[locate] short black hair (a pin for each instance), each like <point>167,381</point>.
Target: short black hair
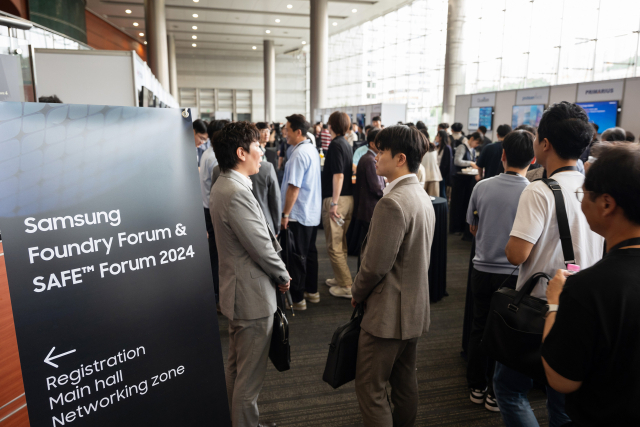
<point>456,127</point>
<point>262,125</point>
<point>528,128</point>
<point>630,137</point>
<point>503,130</point>
<point>376,119</point>
<point>199,126</point>
<point>420,125</point>
<point>298,122</point>
<point>476,135</point>
<point>518,148</point>
<point>53,99</point>
<point>617,173</point>
<point>406,140</point>
<point>443,126</point>
<point>340,123</point>
<point>371,136</point>
<point>367,127</point>
<point>595,126</point>
<point>614,134</point>
<point>215,126</point>
<point>482,129</point>
<point>566,126</point>
<point>411,125</point>
<point>227,141</point>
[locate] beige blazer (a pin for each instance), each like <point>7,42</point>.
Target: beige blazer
<point>393,276</point>
<point>247,251</point>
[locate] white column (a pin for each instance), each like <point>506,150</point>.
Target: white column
<point>319,20</point>
<point>157,51</point>
<point>454,75</point>
<point>269,81</point>
<point>173,72</point>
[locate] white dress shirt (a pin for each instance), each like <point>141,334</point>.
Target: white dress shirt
<point>393,183</point>
<point>243,179</point>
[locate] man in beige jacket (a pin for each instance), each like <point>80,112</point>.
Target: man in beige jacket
<point>393,283</point>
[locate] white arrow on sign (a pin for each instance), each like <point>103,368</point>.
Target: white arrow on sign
<point>49,358</point>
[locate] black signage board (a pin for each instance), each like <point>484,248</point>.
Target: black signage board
<point>108,267</point>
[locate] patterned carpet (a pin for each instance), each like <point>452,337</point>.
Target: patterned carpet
<point>299,397</point>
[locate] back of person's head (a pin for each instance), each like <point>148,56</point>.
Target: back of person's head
<point>227,141</point>
<point>325,126</point>
<point>376,119</point>
<point>528,128</point>
<point>215,126</point>
<point>410,124</point>
<point>518,148</point>
<point>617,173</point>
<point>503,130</point>
<point>199,126</point>
<point>476,136</point>
<point>600,147</point>
<point>596,127</point>
<point>630,137</point>
<point>456,127</point>
<point>482,129</point>
<point>367,128</point>
<point>371,136</point>
<point>340,123</point>
<point>298,122</point>
<point>420,125</point>
<point>430,145</point>
<point>566,126</point>
<point>406,140</point>
<point>443,126</point>
<point>53,99</point>
<point>614,134</point>
<point>262,125</point>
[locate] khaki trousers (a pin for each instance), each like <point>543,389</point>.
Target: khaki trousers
<point>381,360</point>
<point>249,342</point>
<point>336,237</point>
<point>432,188</point>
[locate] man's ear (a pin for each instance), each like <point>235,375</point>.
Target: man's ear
<point>401,159</point>
<point>242,155</point>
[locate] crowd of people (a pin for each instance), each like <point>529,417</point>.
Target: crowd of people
<point>262,181</point>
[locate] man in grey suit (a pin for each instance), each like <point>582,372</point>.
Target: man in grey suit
<point>249,268</point>
<point>393,283</point>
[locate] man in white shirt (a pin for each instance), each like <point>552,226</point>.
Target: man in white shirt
<point>563,134</point>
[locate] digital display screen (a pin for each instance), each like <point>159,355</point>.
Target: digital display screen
<point>480,116</point>
<point>604,114</point>
<point>526,115</point>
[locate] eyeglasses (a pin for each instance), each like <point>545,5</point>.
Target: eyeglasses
<point>580,194</point>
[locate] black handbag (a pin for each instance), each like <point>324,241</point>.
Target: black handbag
<point>513,332</point>
<point>280,350</point>
<point>343,351</point>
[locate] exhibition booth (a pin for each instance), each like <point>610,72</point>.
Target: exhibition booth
<point>390,114</point>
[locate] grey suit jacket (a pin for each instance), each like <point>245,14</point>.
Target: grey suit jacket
<point>267,192</point>
<point>394,273</point>
<point>247,251</point>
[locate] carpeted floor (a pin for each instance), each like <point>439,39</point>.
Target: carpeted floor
<point>299,397</point>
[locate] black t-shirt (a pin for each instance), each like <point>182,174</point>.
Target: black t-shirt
<point>596,340</point>
<point>339,159</point>
<point>491,160</point>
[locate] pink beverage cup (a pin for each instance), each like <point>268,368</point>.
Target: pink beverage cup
<point>572,268</point>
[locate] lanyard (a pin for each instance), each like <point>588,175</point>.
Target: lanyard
<point>512,173</point>
<point>629,242</point>
<point>565,168</point>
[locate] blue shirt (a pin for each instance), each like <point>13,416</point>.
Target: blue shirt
<point>496,200</point>
<point>303,171</point>
<point>359,153</point>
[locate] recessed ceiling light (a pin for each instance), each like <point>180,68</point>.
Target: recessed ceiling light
<point>268,31</point>
<point>253,47</point>
<point>354,10</point>
<point>194,37</point>
<point>277,21</point>
<point>127,11</point>
<point>195,15</point>
<point>193,44</point>
<point>335,24</point>
<point>304,42</point>
<point>196,1</point>
<point>135,24</point>
<point>194,27</point>
<point>141,34</point>
<point>289,6</point>
<point>145,42</point>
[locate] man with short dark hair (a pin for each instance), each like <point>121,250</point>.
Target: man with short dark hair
<point>492,210</point>
<point>250,268</point>
<point>265,132</point>
<point>534,244</point>
<point>200,135</point>
<point>302,207</point>
<point>376,122</point>
<point>490,160</point>
<point>393,283</point>
<point>485,141</point>
<point>590,345</point>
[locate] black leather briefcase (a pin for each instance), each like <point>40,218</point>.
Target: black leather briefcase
<point>343,351</point>
<point>280,350</point>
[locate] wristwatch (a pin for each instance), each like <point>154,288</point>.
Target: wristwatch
<point>284,215</point>
<point>333,204</point>
<point>551,308</point>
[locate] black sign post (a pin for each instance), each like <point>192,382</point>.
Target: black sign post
<point>108,267</point>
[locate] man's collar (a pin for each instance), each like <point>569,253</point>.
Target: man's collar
<point>234,174</point>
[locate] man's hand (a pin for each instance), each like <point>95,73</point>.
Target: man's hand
<point>333,211</point>
<point>556,285</point>
<point>473,229</point>
<point>284,287</point>
<point>473,165</point>
<point>284,222</point>
<point>478,177</point>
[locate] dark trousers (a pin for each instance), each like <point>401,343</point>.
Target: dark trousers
<point>304,239</point>
<point>364,229</point>
<point>213,253</point>
<point>480,368</point>
<point>460,196</point>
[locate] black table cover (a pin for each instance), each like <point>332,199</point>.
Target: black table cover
<point>438,264</point>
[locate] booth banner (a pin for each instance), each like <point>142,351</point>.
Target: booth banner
<point>483,100</point>
<point>601,91</point>
<point>533,96</point>
<point>362,110</point>
<point>376,108</point>
<point>108,267</point>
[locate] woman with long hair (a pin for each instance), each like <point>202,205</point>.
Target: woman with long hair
<point>433,177</point>
<point>445,161</point>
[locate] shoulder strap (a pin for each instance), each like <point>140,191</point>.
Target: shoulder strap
<point>563,221</point>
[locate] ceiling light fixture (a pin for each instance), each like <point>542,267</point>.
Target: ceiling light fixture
<point>145,42</point>
<point>289,6</point>
<point>194,27</point>
<point>335,24</point>
<point>268,31</point>
<point>304,42</point>
<point>135,24</point>
<point>253,47</point>
<point>354,10</point>
<point>194,45</point>
<point>277,21</point>
<point>194,37</point>
<point>196,1</point>
<point>141,34</point>
<point>127,11</point>
<point>195,15</point>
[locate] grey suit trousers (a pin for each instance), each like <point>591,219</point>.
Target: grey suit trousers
<point>249,342</point>
<point>381,360</point>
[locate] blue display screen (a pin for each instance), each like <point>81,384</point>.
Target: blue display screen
<point>604,114</point>
<point>526,115</point>
<point>480,116</point>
